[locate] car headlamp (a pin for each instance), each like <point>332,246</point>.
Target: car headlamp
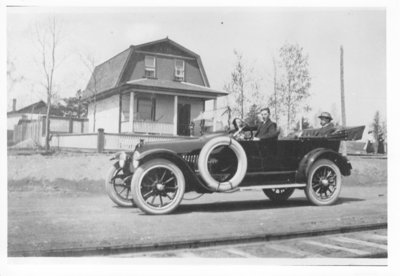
<point>122,159</point>
<point>135,159</point>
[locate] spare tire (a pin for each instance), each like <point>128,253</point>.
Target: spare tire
<point>241,167</point>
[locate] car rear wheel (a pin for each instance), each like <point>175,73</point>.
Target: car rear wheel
<point>158,187</point>
<point>323,183</point>
<point>278,195</point>
<point>118,187</point>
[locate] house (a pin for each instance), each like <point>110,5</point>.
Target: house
<point>29,123</point>
<point>27,113</point>
<point>155,88</point>
<point>30,112</point>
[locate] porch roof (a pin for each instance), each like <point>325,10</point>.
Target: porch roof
<point>175,86</point>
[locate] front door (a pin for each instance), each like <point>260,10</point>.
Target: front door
<point>183,119</point>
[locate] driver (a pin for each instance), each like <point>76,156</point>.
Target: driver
<point>266,128</point>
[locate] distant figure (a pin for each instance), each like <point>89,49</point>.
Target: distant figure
<point>370,144</point>
<point>381,145</point>
<point>327,127</point>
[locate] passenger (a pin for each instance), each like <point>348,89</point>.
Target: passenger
<point>327,127</point>
<point>266,129</point>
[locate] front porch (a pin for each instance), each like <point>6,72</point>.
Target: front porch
<point>155,107</point>
<point>151,113</point>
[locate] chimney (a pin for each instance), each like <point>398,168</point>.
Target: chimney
<point>14,108</point>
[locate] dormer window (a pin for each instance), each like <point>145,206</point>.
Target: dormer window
<point>179,70</point>
<point>150,67</point>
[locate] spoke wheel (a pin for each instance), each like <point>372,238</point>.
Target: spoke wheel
<point>158,187</point>
<point>324,183</point>
<point>118,187</point>
<point>280,194</point>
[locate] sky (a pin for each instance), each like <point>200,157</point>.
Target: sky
<point>214,33</point>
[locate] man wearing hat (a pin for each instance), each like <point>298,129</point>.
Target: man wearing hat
<point>327,127</point>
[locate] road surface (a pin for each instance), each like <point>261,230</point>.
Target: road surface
<point>55,221</point>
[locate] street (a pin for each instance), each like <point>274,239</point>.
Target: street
<point>58,222</point>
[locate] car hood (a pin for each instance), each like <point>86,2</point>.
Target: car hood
<point>180,145</point>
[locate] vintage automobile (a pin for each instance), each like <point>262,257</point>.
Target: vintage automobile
<point>155,176</point>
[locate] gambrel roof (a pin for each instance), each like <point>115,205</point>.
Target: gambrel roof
<point>109,75</point>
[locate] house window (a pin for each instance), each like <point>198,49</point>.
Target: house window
<point>179,70</point>
<point>125,104</point>
<point>146,109</point>
<point>150,67</point>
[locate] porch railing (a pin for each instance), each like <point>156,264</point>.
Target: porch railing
<point>153,127</point>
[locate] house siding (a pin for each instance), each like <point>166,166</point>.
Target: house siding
<point>192,73</point>
<point>107,114</point>
<point>165,69</point>
<point>165,48</point>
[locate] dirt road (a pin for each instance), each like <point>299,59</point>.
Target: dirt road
<point>51,222</point>
<point>60,204</point>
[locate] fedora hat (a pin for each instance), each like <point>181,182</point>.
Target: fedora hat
<point>326,115</point>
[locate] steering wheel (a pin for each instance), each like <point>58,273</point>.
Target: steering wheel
<point>239,130</point>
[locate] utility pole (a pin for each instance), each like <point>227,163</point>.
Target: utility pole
<point>275,93</point>
<point>343,106</point>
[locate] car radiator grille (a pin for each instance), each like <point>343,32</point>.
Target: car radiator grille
<point>191,159</point>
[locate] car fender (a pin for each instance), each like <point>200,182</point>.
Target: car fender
<point>190,176</point>
<point>311,157</point>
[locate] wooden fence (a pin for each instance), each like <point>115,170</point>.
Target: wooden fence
<point>35,129</point>
<point>102,141</point>
<point>28,129</point>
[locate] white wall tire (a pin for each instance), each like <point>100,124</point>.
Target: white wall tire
<point>324,183</point>
<point>158,187</point>
<point>117,190</point>
<point>241,168</point>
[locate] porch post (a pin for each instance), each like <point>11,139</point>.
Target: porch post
<point>214,118</point>
<point>175,115</point>
<point>131,109</point>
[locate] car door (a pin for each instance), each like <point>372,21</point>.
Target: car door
<point>268,153</point>
<point>254,158</point>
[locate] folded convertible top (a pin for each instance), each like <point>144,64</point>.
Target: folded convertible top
<point>341,133</point>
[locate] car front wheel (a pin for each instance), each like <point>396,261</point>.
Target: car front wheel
<point>118,187</point>
<point>158,187</point>
<point>323,183</point>
<point>278,195</point>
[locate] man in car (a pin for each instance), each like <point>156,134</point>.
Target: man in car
<point>266,129</point>
<point>327,127</point>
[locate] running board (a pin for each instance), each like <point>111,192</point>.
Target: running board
<point>277,186</point>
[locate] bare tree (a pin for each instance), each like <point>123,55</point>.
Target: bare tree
<point>243,86</point>
<point>48,37</point>
<point>294,82</point>
<point>275,100</point>
<point>94,83</point>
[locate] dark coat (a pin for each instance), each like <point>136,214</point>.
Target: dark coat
<point>326,130</point>
<point>267,130</point>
